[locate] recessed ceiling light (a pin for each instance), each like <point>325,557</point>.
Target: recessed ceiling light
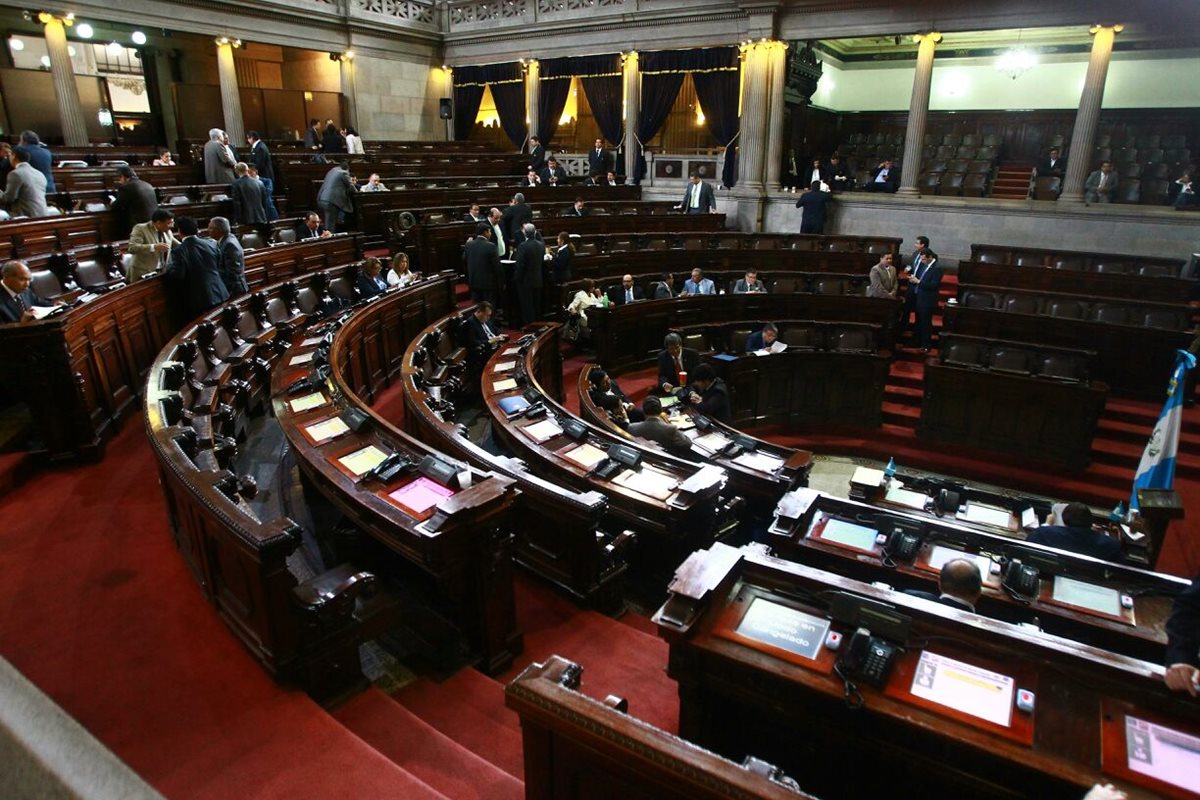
<point>138,37</point>
<point>84,30</point>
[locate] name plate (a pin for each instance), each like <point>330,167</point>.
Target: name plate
<point>783,627</point>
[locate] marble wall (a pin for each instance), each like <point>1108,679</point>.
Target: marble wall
<point>397,97</point>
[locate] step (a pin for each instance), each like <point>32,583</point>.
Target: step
<point>469,708</point>
<point>903,395</point>
<point>424,752</point>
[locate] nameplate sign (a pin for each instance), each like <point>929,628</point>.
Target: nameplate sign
<point>783,627</point>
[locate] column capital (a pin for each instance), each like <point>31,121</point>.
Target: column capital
<point>46,17</point>
<point>932,36</point>
<point>763,45</point>
<point>221,41</point>
<point>1115,28</point>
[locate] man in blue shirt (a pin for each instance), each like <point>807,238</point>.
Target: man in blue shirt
<point>1075,534</point>
<point>698,284</point>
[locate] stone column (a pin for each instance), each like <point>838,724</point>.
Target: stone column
<point>756,84</point>
<point>778,56</point>
<point>918,112</point>
<point>1079,157</point>
<point>633,104</point>
<point>346,65</point>
<point>231,101</point>
<point>70,112</point>
<point>533,90</point>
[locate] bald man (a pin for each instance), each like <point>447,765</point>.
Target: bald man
<point>16,298</point>
<point>628,293</point>
<point>960,585</point>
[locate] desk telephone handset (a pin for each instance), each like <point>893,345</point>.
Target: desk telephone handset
<point>867,658</point>
<point>1022,581</point>
<point>902,545</point>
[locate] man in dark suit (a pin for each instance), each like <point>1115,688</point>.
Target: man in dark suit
<point>483,266</point>
<point>249,197</point>
<point>750,284</point>
<point>840,179</point>
<point>1053,166</point>
<point>1183,642</point>
<point>709,394</point>
<point>699,198</point>
<point>40,158</point>
<point>553,173</point>
<point>474,215</point>
<point>527,273</point>
<point>813,202</point>
<point>959,584</point>
<point>515,217</point>
<point>628,293</point>
<point>311,228</point>
<point>655,428</point>
<point>924,283</point>
<point>910,295</point>
<point>135,201</point>
<point>1074,532</point>
<point>884,178</point>
<point>599,160</point>
<point>537,154</point>
<point>817,173</point>
<point>577,210</point>
<point>673,359</point>
<point>260,158</point>
<point>664,289</point>
<point>232,262</point>
<point>336,197</point>
<point>762,338</point>
<point>16,298</point>
<point>195,271</point>
<point>479,337</point>
<point>600,383</point>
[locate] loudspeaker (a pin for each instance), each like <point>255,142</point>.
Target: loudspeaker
<point>446,108</point>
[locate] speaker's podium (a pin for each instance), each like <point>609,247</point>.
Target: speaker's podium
<point>859,691</point>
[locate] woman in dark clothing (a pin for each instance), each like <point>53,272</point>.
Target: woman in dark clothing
<point>332,141</point>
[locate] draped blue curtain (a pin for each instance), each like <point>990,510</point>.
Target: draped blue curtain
<point>466,109</point>
<point>507,82</point>
<point>662,76</point>
<point>717,92</point>
<point>552,99</point>
<point>604,95</point>
<point>601,79</point>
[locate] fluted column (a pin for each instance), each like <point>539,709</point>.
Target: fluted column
<point>633,103</point>
<point>62,73</point>
<point>231,101</point>
<point>533,91</point>
<point>346,64</point>
<point>918,113</point>
<point>756,82</point>
<point>1080,155</point>
<point>778,55</point>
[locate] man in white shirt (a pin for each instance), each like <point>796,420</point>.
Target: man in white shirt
<point>374,184</point>
<point>699,199</point>
<point>497,234</point>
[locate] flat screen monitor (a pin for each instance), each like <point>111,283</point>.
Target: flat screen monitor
<point>964,687</point>
<point>1162,753</point>
<point>1100,599</point>
<point>849,534</point>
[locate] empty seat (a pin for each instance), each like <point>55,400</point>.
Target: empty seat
<point>1155,192</point>
<point>1153,155</point>
<point>1109,314</point>
<point>252,241</point>
<point>1058,140</point>
<point>951,184</point>
<point>343,288</point>
<point>1174,140</point>
<point>979,166</point>
<point>1131,170</point>
<point>737,341</point>
<point>89,273</point>
<point>839,246</point>
<point>1021,304</point>
<point>854,340</point>
<point>962,354</point>
<point>1162,318</point>
<point>1061,366</point>
<point>1102,154</point>
<point>1156,271</point>
<point>958,165</point>
<point>657,243</point>
<point>785,286</point>
<point>693,243</point>
<point>993,257</point>
<point>1127,155</point>
<point>308,300</point>
<point>287,235</point>
<point>766,244</point>
<point>1129,191</point>
<point>1029,260</point>
<point>620,245</point>
<point>951,139</point>
<point>44,283</point>
<point>1012,360</point>
<point>988,153</point>
<point>990,140</point>
<point>936,165</point>
<point>1069,263</point>
<point>1112,267</point>
<point>929,182</point>
<point>977,299</point>
<point>878,248</point>
<point>946,151</point>
<point>974,186</point>
<point>965,152</point>
<point>829,286</point>
<point>696,341</point>
<point>799,336</point>
<point>1065,309</point>
<point>1102,140</point>
<point>1177,155</point>
<point>970,139</point>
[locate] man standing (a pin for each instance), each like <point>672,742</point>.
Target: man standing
<point>17,299</point>
<point>496,222</point>
<point>1053,166</point>
<point>218,163</point>
<point>40,157</point>
<point>150,245</point>
<point>813,203</point>
<point>232,263</point>
<point>195,269</point>
<point>515,217</point>
<point>924,283</point>
<point>527,273</point>
<point>1101,184</point>
<point>598,160</point>
<point>483,265</point>
<point>910,296</point>
<point>135,201</point>
<point>553,174</point>
<point>249,197</point>
<point>336,198</point>
<point>260,157</point>
<point>884,178</point>
<point>698,284</point>
<point>537,155</point>
<point>312,141</point>
<point>699,199</point>
<point>25,189</point>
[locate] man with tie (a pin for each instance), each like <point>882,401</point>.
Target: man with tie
<point>749,284</point>
<point>910,296</point>
<point>1101,184</point>
<point>672,360</point>
<point>195,271</point>
<point>483,265</point>
<point>475,215</point>
<point>628,293</point>
<point>924,283</point>
<point>699,199</point>
<point>1052,167</point>
<point>495,222</point>
<point>260,158</point>
<point>698,284</point>
<point>17,300</point>
<point>578,209</point>
<point>664,289</point>
<point>150,245</point>
<point>233,257</point>
<point>481,339</point>
<point>537,155</point>
<point>515,216</point>
<point>527,273</point>
<point>553,173</point>
<point>311,228</point>
<point>598,159</point>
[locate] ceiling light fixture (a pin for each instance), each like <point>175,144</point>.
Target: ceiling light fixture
<point>138,37</point>
<point>16,44</point>
<point>1017,60</point>
<point>84,30</point>
<point>115,48</point>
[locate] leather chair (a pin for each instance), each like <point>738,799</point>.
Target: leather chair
<point>1129,191</point>
<point>974,186</point>
<point>1155,192</point>
<point>962,354</point>
<point>829,286</point>
<point>958,165</point>
<point>929,182</point>
<point>1146,270</point>
<point>1162,319</point>
<point>1020,304</point>
<point>45,284</point>
<point>979,166</point>
<point>252,241</point>
<point>697,342</point>
<point>801,337</point>
<point>1065,309</point>
<point>993,257</point>
<point>978,299</point>
<point>785,286</point>
<point>737,340</point>
<point>1010,360</point>
<point>1111,267</point>
<point>1061,366</point>
<point>1029,260</point>
<point>951,185</point>
<point>853,340</point>
<point>1068,263</point>
<point>987,152</point>
<point>1109,314</point>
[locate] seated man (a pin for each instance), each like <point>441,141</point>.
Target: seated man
<point>370,281</point>
<point>577,210</point>
<point>311,228</point>
<point>884,178</point>
<point>531,179</point>
<point>840,179</point>
<point>1075,534</point>
<point>1101,185</point>
<point>749,284</point>
<point>709,395</point>
<point>698,284</point>
<point>765,339</point>
<point>664,289</point>
<point>1053,167</point>
<point>655,428</point>
<point>1185,193</point>
<point>374,184</point>
<point>17,300</point>
<point>479,337</point>
<point>628,293</point>
<point>959,584</point>
<point>673,360</point>
<point>616,410</point>
<point>600,385</point>
<point>1183,642</point>
<point>474,215</point>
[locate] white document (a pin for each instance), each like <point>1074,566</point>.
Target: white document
<point>759,461</point>
<point>865,476</point>
<point>504,366</point>
<point>775,347</point>
<point>907,498</point>
<point>303,358</point>
<point>41,312</point>
<point>307,403</point>
<point>321,431</point>
<point>964,687</point>
<point>649,482</point>
<point>985,515</point>
<point>504,385</point>
<point>313,342</point>
<point>586,455</point>
<point>511,351</point>
<point>543,430</point>
<point>1029,520</point>
<point>711,442</point>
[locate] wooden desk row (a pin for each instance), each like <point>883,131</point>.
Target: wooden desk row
<point>962,706</point>
<point>1076,261</point>
<point>1121,285</point>
<point>81,371</point>
<point>71,179</point>
<point>303,178</point>
<point>843,536</point>
<point>631,336</point>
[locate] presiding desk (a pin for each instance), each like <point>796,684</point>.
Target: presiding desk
<point>672,504</point>
<point>630,336</point>
<point>918,695</point>
<point>1076,597</point>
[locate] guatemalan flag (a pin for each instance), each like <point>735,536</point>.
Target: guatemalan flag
<point>1157,468</point>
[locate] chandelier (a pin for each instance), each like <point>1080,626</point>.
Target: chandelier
<point>1016,61</point>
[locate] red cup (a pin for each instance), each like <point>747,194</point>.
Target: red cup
<point>683,379</point>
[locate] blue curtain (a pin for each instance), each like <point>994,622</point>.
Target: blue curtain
<point>508,90</point>
<point>717,92</point>
<point>658,95</point>
<point>552,99</point>
<point>601,79</point>
<point>604,95</point>
<point>466,109</point>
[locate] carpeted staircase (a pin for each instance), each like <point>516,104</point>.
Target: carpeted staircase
<point>1012,181</point>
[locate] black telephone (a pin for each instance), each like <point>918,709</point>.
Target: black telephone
<point>391,467</point>
<point>1022,581</point>
<point>867,658</point>
<point>902,545</point>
